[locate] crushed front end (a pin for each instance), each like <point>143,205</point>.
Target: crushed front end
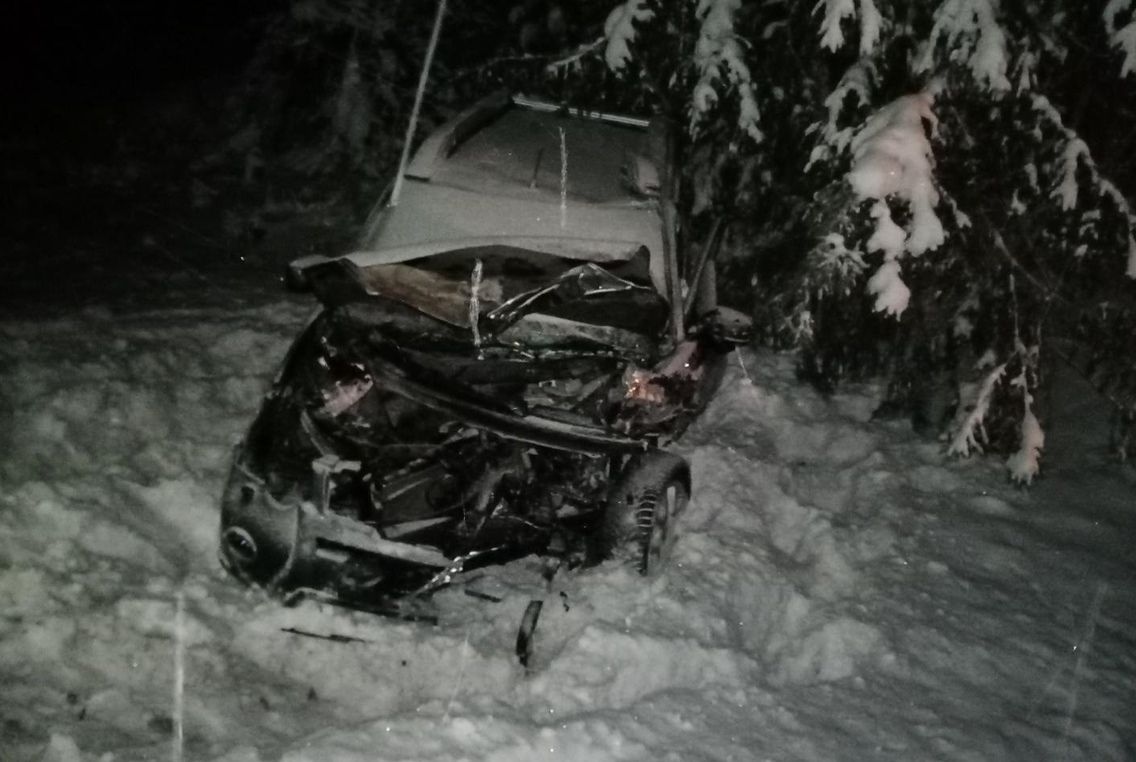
<point>408,437</point>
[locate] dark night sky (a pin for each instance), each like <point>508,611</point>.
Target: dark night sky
<point>55,54</point>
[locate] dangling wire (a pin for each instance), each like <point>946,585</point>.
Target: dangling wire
<point>410,128</point>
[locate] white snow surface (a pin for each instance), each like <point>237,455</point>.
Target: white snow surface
<point>840,589</point>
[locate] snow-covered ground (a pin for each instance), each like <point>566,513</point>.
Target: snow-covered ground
<point>840,589</point>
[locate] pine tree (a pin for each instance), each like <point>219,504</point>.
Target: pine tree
<point>326,101</point>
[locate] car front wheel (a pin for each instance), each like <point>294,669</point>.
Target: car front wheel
<point>643,509</point>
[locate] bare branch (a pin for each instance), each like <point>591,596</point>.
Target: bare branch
<point>581,51</point>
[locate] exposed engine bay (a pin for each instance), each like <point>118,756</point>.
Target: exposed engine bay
<point>398,440</point>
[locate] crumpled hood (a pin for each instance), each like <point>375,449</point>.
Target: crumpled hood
<point>492,287</point>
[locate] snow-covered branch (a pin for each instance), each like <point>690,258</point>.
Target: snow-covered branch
<point>718,54</point>
<point>975,401</point>
<point>835,11</point>
<point>1025,463</point>
<point>619,31</point>
<point>969,31</point>
<point>836,133</point>
<point>891,157</point>
<point>575,56</point>
<point>718,50</point>
<point>1123,38</point>
<point>1076,155</point>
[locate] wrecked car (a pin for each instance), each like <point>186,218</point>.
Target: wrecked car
<point>495,371</point>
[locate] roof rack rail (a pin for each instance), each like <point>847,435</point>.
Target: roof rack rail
<point>535,104</point>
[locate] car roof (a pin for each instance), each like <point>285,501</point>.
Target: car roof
<point>521,147</point>
<point>513,169</point>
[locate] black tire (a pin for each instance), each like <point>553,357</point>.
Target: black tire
<point>642,510</point>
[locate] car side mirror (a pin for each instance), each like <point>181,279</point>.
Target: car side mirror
<point>725,325</point>
<point>296,276</point>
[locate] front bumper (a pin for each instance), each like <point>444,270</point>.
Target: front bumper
<point>289,544</point>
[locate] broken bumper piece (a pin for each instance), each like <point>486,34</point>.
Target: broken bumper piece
<point>284,545</point>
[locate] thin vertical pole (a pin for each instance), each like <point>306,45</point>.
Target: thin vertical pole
<point>178,740</point>
<point>667,193</point>
<point>410,128</point>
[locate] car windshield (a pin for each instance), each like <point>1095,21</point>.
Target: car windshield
<point>525,152</point>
